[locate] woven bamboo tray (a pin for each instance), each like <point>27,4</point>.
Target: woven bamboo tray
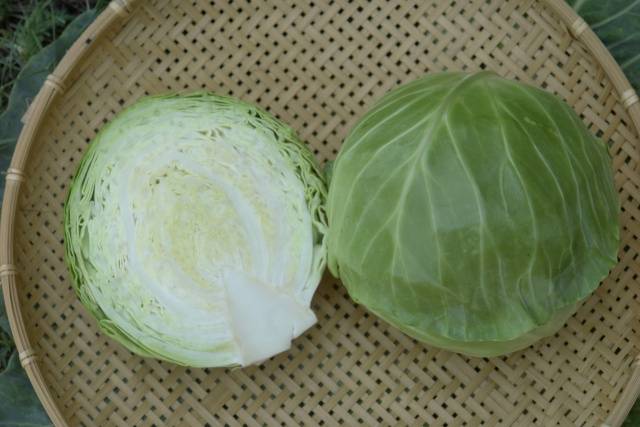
<point>318,66</point>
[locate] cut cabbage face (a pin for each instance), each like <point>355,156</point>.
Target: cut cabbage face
<point>194,231</point>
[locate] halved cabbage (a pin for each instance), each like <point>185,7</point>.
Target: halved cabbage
<point>472,212</point>
<point>194,231</point>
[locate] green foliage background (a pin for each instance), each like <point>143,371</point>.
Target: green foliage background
<point>35,34</point>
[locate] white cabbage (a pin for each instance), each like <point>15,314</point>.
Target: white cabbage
<point>194,231</point>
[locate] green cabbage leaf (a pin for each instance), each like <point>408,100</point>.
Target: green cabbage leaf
<point>473,212</point>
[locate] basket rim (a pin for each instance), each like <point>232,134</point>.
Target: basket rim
<point>55,84</point>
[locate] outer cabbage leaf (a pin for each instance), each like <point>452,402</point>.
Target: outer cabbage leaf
<point>194,231</point>
<point>472,212</point>
<point>616,23</point>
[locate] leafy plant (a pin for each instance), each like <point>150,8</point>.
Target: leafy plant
<point>472,212</point>
<point>25,27</point>
<point>19,404</point>
<point>6,343</point>
<point>617,23</point>
<point>28,83</point>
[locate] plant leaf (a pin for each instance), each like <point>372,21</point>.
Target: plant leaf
<point>25,89</point>
<point>28,84</point>
<point>633,419</point>
<point>4,322</point>
<point>617,23</point>
<point>19,405</point>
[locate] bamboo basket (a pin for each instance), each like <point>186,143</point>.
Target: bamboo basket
<point>318,66</point>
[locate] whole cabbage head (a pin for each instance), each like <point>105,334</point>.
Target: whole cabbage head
<point>472,212</point>
<point>194,231</point>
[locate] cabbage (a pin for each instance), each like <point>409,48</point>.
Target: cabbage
<point>472,212</point>
<point>194,231</point>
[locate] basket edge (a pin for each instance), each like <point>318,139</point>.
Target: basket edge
<point>581,32</point>
<point>53,85</point>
